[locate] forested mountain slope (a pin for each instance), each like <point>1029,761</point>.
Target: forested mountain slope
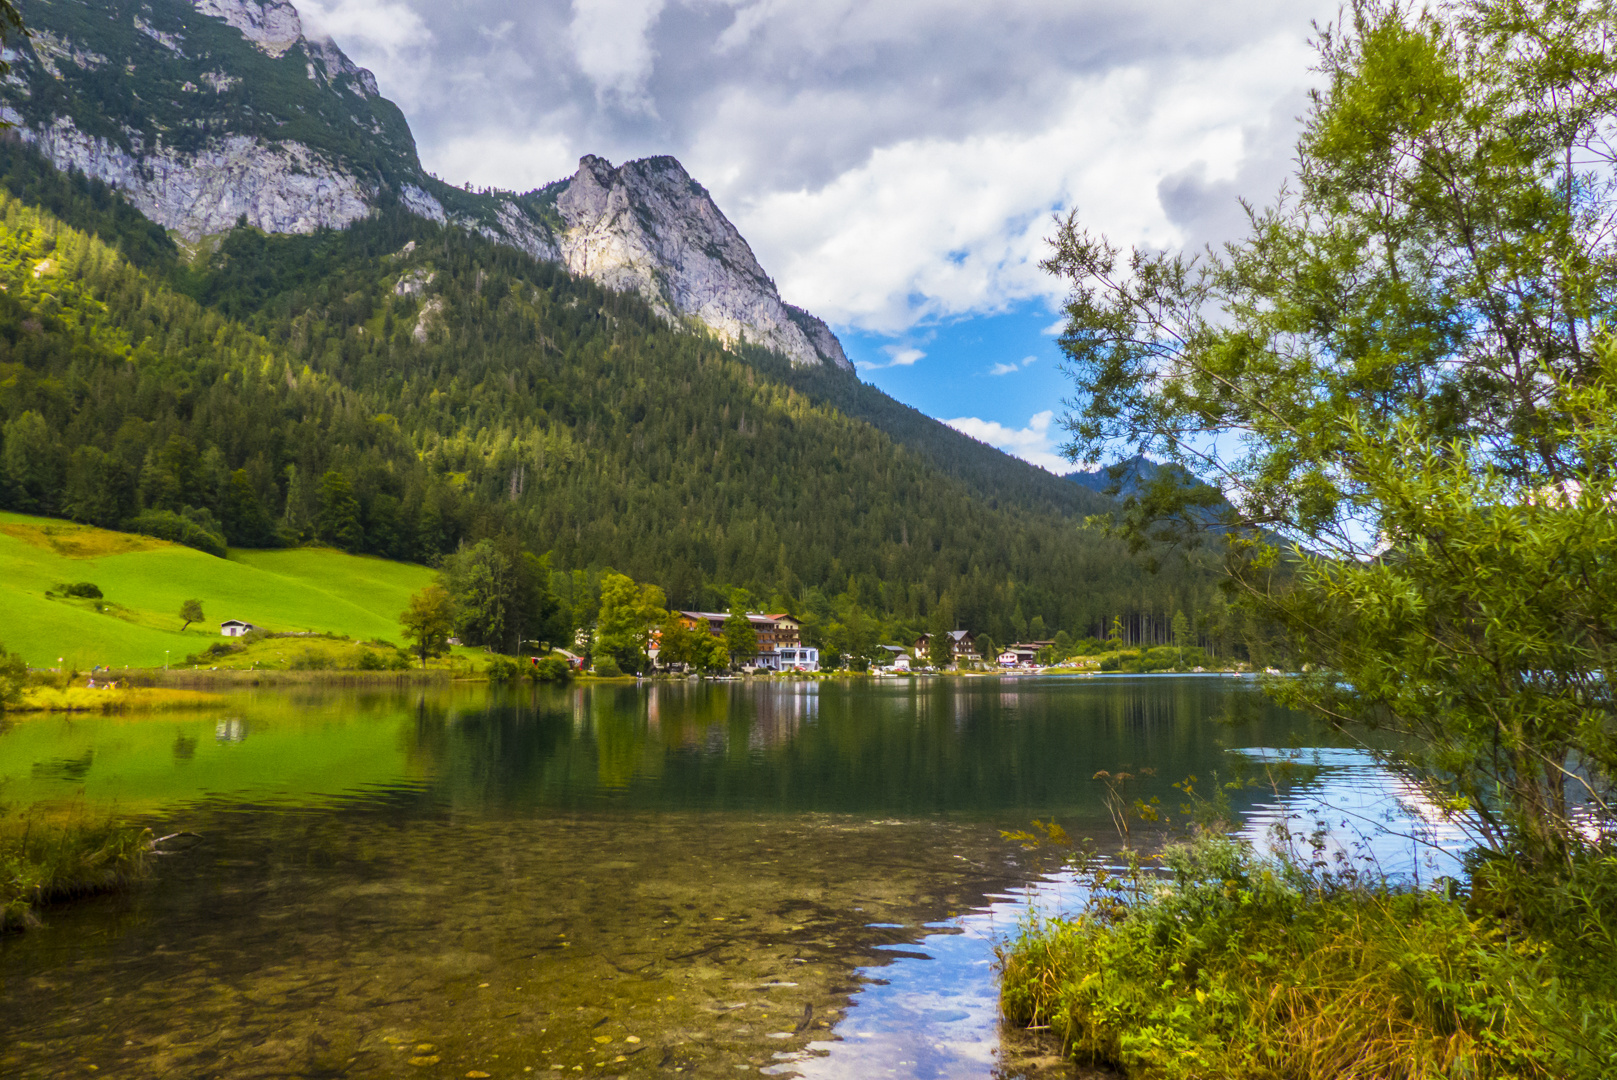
<point>203,112</point>
<point>399,387</point>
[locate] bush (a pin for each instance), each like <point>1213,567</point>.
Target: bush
<point>82,589</point>
<point>551,669</point>
<point>310,660</point>
<point>1239,966</point>
<point>370,660</point>
<point>503,669</point>
<point>167,525</point>
<point>213,652</point>
<point>606,667</point>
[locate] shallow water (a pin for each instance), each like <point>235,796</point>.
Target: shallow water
<point>800,879</point>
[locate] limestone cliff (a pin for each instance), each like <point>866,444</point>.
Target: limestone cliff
<point>647,227</point>
<point>227,110</point>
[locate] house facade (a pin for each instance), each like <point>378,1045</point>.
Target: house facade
<point>236,628</point>
<point>780,639</point>
<point>960,646</point>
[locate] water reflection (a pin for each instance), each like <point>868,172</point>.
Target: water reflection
<point>796,877</point>
<point>1350,814</point>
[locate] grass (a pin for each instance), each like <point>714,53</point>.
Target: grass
<point>144,582</point>
<point>78,699</point>
<point>43,861</point>
<point>1238,967</point>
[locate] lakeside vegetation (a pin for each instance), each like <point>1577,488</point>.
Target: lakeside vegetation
<point>46,858</point>
<point>1413,350</point>
<point>1233,965</point>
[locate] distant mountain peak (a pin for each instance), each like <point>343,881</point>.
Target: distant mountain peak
<point>221,110</point>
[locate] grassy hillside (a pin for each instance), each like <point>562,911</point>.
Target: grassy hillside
<point>144,582</point>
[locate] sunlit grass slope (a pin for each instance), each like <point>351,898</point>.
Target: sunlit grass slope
<point>143,583</point>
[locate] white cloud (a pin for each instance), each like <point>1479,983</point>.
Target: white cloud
<point>1057,328</point>
<point>940,228</point>
<point>1007,369</point>
<point>611,45</point>
<point>487,163</point>
<point>1032,444</point>
<point>897,356</point>
<point>891,163</point>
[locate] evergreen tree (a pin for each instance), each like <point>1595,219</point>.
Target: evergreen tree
<point>338,520</point>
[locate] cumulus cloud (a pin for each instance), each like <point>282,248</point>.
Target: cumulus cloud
<point>1032,443</point>
<point>897,356</point>
<point>891,163</point>
<point>1007,369</point>
<point>612,48</point>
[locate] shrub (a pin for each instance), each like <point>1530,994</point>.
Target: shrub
<point>167,525</point>
<point>213,652</point>
<point>608,668</point>
<point>83,589</point>
<point>1239,966</point>
<point>40,863</point>
<point>370,660</point>
<point>503,669</point>
<point>310,660</point>
<point>551,669</point>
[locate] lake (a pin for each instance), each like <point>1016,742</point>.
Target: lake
<point>707,878</point>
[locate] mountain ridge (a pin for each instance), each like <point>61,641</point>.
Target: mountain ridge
<point>243,116</point>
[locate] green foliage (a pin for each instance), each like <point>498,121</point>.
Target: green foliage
<point>180,528</point>
<point>1413,349</point>
<point>551,669</point>
<point>1243,967</point>
<point>690,645</point>
<point>503,669</point>
<point>337,521</point>
<point>311,660</point>
<point>191,611</point>
<point>740,639</point>
<point>607,667</point>
<point>82,589</point>
<point>502,595</point>
<point>43,861</point>
<point>939,646</point>
<point>13,678</point>
<point>628,615</point>
<point>428,621</point>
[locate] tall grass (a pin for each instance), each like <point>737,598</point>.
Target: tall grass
<point>1238,966</point>
<point>43,861</point>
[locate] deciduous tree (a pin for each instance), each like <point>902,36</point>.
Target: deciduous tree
<point>1404,378</point>
<point>428,622</point>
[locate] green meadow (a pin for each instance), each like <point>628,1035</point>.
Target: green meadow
<point>144,581</point>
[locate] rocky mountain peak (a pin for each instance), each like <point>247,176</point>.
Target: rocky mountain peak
<point>225,109</point>
<point>647,227</point>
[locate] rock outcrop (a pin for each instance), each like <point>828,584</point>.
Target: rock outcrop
<point>647,227</point>
<point>278,187</point>
<point>239,115</point>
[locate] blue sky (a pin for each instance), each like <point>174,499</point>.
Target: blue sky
<point>893,164</point>
<point>1000,369</point>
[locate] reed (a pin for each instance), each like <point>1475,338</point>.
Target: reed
<point>1237,966</point>
<point>44,860</point>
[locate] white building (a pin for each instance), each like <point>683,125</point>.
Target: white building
<point>796,658</point>
<point>235,628</point>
